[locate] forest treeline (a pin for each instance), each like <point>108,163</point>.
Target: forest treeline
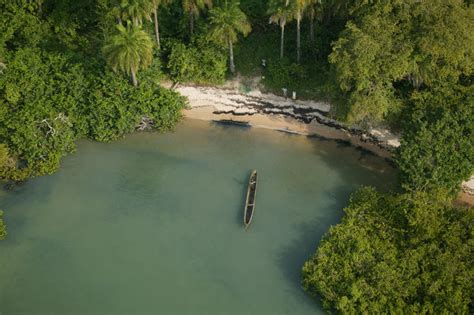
<point>91,68</point>
<point>380,62</point>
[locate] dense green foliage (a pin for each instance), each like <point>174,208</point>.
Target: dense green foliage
<point>58,104</point>
<point>55,87</point>
<point>204,64</point>
<point>403,254</point>
<point>42,108</point>
<point>120,108</point>
<point>129,50</point>
<point>4,157</point>
<point>226,23</point>
<point>406,63</point>
<point>3,228</point>
<point>437,148</point>
<point>399,46</point>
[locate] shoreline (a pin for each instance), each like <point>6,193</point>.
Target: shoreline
<point>267,110</point>
<point>307,118</point>
<point>288,125</point>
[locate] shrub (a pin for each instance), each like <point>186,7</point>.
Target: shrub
<point>437,148</point>
<point>281,73</point>
<point>198,64</point>
<point>401,254</point>
<point>3,227</point>
<point>117,108</point>
<point>41,97</point>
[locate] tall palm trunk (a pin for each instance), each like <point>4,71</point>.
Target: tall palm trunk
<point>231,57</point>
<point>311,27</point>
<point>282,41</point>
<point>157,30</point>
<point>134,77</point>
<point>298,38</point>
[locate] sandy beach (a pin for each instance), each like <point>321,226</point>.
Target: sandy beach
<point>290,125</point>
<point>309,118</point>
<point>265,110</point>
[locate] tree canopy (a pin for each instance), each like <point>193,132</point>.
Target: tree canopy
<point>422,43</point>
<point>404,254</point>
<point>404,64</point>
<point>437,149</point>
<point>129,50</point>
<point>3,228</point>
<point>227,22</point>
<point>55,87</point>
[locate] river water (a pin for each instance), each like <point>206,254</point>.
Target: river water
<point>152,224</point>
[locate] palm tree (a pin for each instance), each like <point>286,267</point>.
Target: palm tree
<point>281,13</point>
<point>314,10</point>
<point>136,10</point>
<point>129,50</point>
<point>227,21</point>
<point>116,10</point>
<point>300,6</point>
<point>192,8</point>
<point>156,4</point>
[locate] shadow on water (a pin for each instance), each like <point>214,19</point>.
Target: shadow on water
<point>230,123</point>
<point>294,255</point>
<point>355,168</point>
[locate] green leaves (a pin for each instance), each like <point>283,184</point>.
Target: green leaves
<point>407,253</point>
<point>41,120</point>
<point>136,10</point>
<point>117,108</point>
<point>437,148</point>
<point>203,64</point>
<point>58,103</point>
<point>3,227</point>
<point>227,22</point>
<point>129,49</point>
<point>281,12</point>
<point>393,42</point>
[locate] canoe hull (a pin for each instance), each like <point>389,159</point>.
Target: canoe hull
<point>250,200</point>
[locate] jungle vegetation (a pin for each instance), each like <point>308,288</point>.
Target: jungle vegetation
<point>91,68</point>
<point>396,253</point>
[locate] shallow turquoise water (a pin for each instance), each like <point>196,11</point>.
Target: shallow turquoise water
<point>152,224</point>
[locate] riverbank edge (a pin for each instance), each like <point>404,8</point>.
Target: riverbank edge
<point>271,111</point>
<point>307,118</point>
<point>291,125</point>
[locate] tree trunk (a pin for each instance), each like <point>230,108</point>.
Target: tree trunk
<point>157,30</point>
<point>134,78</point>
<point>191,24</point>
<point>282,41</point>
<point>231,58</point>
<point>298,39</point>
<point>311,27</point>
<point>119,20</point>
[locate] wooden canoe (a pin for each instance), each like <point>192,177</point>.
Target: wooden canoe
<point>250,201</point>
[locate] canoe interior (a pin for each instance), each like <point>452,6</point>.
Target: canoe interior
<point>250,201</point>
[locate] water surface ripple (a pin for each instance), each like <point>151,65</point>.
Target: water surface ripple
<point>152,224</point>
